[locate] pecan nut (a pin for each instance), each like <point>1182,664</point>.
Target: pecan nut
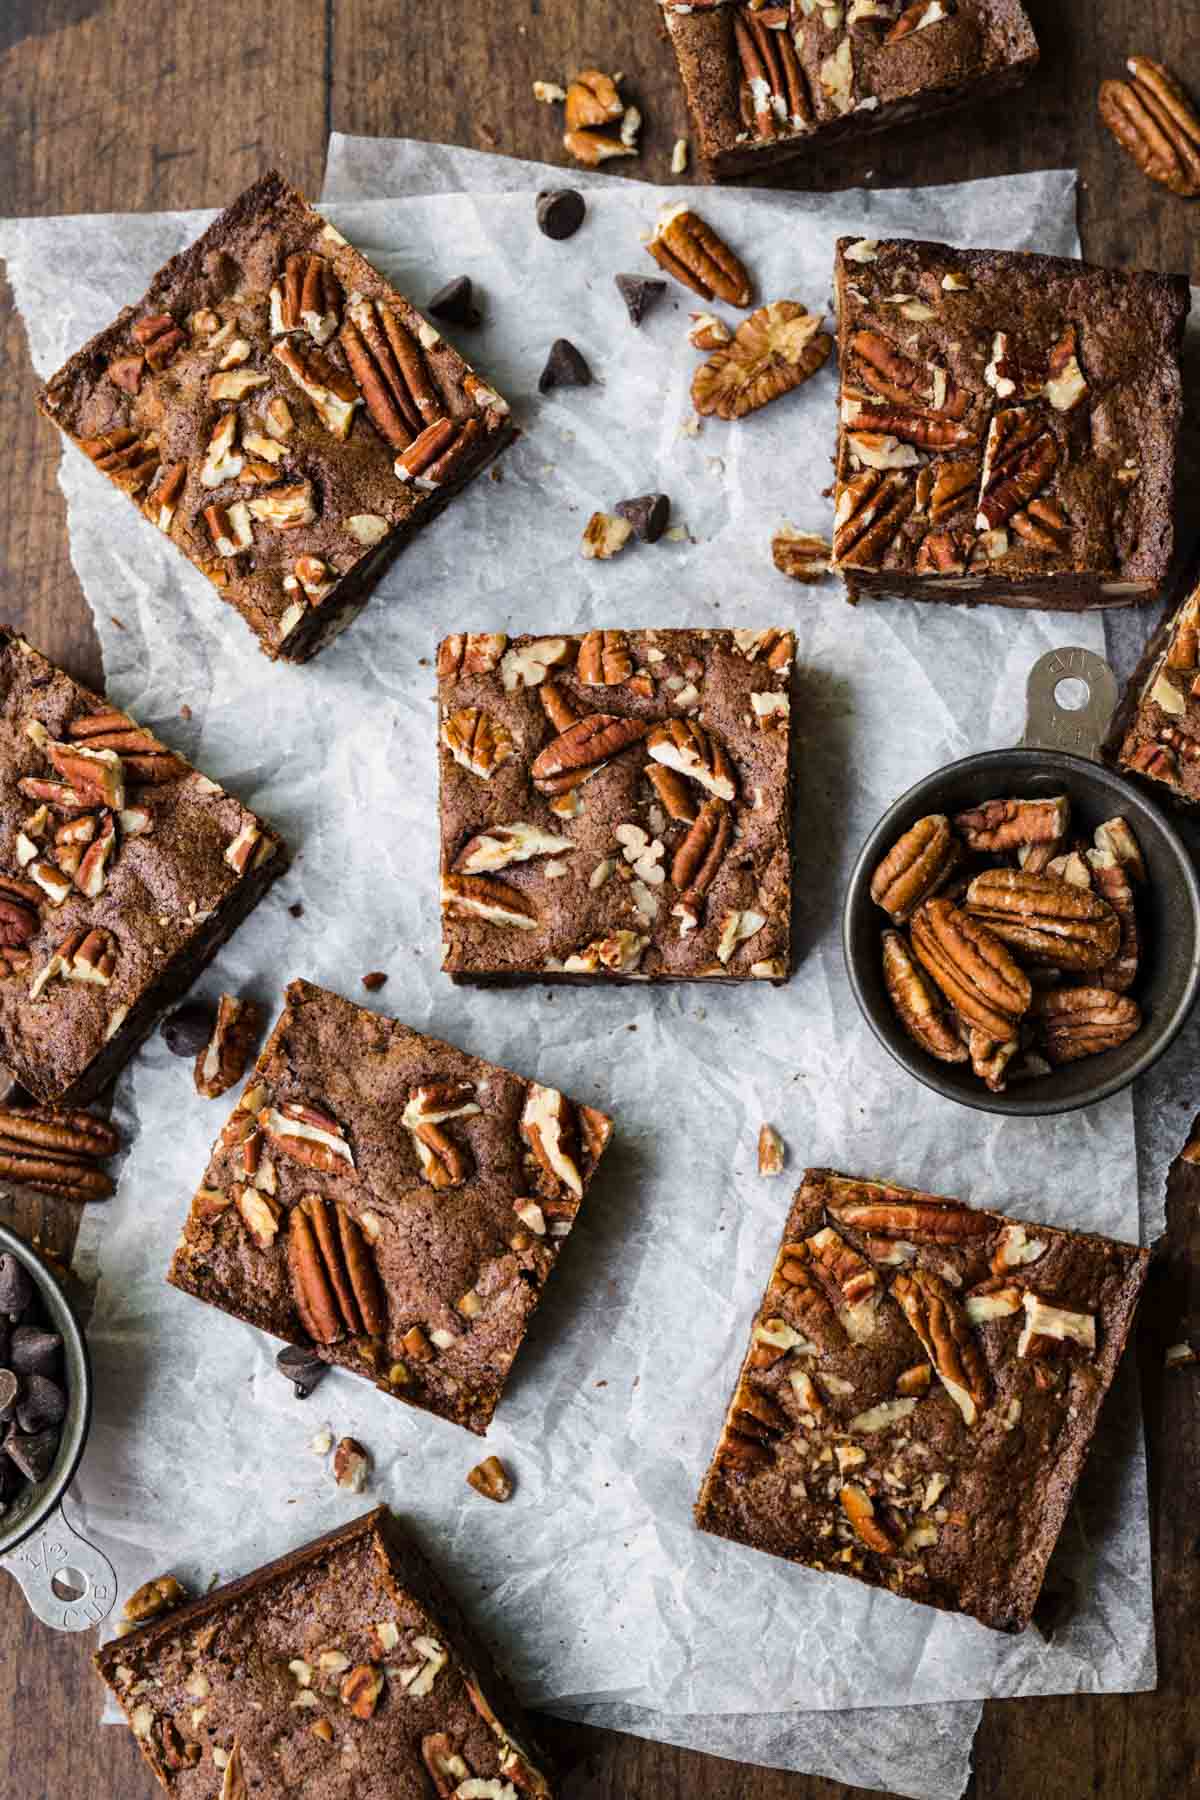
<point>126,457</point>
<point>19,911</point>
<point>972,967</point>
<point>222,1061</point>
<point>871,510</point>
<point>583,748</point>
<point>439,454</point>
<point>774,92</point>
<point>916,867</point>
<point>700,855</point>
<point>1081,1021</point>
<point>694,254</point>
<point>485,897</point>
<point>144,760</point>
<point>307,1134</point>
<point>990,1060</point>
<point>477,742</point>
<point>859,1508</point>
<point>1152,118</point>
<point>389,370</point>
<point>1112,883</point>
<point>888,1212</point>
<point>1052,922</point>
<point>802,555</point>
<point>491,1479</point>
<point>686,748</point>
<point>309,298</point>
<point>56,1150</point>
<point>916,1004</point>
<point>940,1322</point>
<point>334,1282</point>
<point>1000,825</point>
<point>470,653</point>
<point>604,659</point>
<point>773,351</point>
<point>1018,460</point>
<point>443,1161</point>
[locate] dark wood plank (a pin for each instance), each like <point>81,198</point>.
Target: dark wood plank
<point>128,104</point>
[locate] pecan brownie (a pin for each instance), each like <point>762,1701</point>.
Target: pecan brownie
<point>124,871</point>
<point>1156,727</point>
<point>765,83</point>
<point>390,1203</point>
<point>1007,427</point>
<point>616,805</point>
<point>282,414</point>
<point>922,1385</point>
<point>344,1667</point>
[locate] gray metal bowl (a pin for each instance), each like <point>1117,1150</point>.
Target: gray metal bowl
<point>1168,911</point>
<point>68,1583</point>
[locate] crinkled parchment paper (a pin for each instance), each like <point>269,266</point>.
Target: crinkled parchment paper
<point>593,1579</point>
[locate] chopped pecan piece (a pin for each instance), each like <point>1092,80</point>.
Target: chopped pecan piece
<point>442,1160</point>
<point>501,845</point>
<point>1113,885</point>
<point>592,100</point>
<point>360,1690</point>
<point>917,1006</point>
<point>1116,836</point>
<point>858,1507</point>
<point>773,351</point>
<point>160,339</point>
<point>972,968</point>
<point>919,16</point>
<point>548,1125</point>
<point>1152,118</point>
<point>222,1062</point>
<point>685,747</point>
<point>306,1134</point>
<point>854,1281</point>
<point>771,1153</point>
<point>940,1322</point>
<point>491,1479</point>
<point>309,298</point>
<point>943,487</point>
<point>913,870</point>
<point>333,394</point>
<point>1050,921</point>
<point>438,454</point>
<point>153,1599</point>
<point>604,536</point>
<point>800,554</point>
<point>1066,384</point>
<point>334,1283</point>
<point>694,254</point>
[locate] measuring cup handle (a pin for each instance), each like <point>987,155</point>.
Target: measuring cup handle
<point>1080,730</point>
<point>56,1549</point>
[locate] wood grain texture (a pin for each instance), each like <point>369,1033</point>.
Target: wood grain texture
<point>139,104</point>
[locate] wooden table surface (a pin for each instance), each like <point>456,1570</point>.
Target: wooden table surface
<point>121,105</point>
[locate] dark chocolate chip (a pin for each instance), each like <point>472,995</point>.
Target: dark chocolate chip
<point>560,212</point>
<point>42,1403</point>
<point>454,304</point>
<point>33,1452</point>
<point>648,515</point>
<point>374,981</point>
<point>188,1029</point>
<point>16,1286</point>
<point>9,1389</point>
<point>33,1351</point>
<point>297,909</point>
<point>302,1369</point>
<point>565,367</point>
<point>640,293</point>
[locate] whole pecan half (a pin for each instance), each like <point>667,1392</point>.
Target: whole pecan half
<point>915,867</point>
<point>487,898</point>
<point>803,1299</point>
<point>583,748</point>
<point>132,461</point>
<point>55,1149</point>
<point>1081,1021</point>
<point>1000,825</point>
<point>443,1161</point>
<point>1112,883</point>
<point>773,351</point>
<point>1052,922</point>
<point>693,253</point>
<point>143,759</point>
<point>989,1059</point>
<point>438,454</point>
<point>307,1134</point>
<point>938,1318</point>
<point>917,1005</point>
<point>972,967</point>
<point>20,903</point>
<point>604,659</point>
<point>334,1283</point>
<point>944,487</point>
<point>309,298</point>
<point>477,742</point>
<point>470,653</point>
<point>700,855</point>
<point>859,1508</point>
<point>222,1061</point>
<point>1152,118</point>
<point>872,506</point>
<point>390,372</point>
<point>775,94</point>
<point>887,1212</point>
<point>1018,460</point>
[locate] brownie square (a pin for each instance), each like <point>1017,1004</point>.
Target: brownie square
<point>616,805</point>
<point>1156,727</point>
<point>284,415</point>
<point>390,1202</point>
<point>921,1388</point>
<point>124,871</point>
<point>1007,426</point>
<point>343,1668</point>
<point>765,84</point>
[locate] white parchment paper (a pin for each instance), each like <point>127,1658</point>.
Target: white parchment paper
<point>593,1578</point>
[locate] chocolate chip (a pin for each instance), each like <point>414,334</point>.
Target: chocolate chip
<point>374,981</point>
<point>560,212</point>
<point>9,1388</point>
<point>640,293</point>
<point>565,367</point>
<point>454,303</point>
<point>16,1286</point>
<point>296,909</point>
<point>302,1369</point>
<point>42,1403</point>
<point>33,1452</point>
<point>648,515</point>
<point>188,1029</point>
<point>34,1352</point>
